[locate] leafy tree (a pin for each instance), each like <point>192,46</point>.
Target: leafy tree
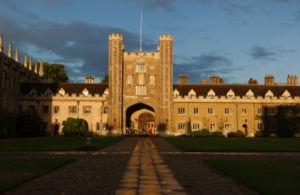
<point>55,73</point>
<point>75,127</point>
<point>29,124</point>
<point>104,79</point>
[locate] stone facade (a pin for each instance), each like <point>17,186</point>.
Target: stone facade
<point>141,96</point>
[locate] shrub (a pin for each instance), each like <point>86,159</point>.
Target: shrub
<point>217,134</point>
<point>259,134</point>
<point>201,133</point>
<point>75,127</point>
<point>236,134</point>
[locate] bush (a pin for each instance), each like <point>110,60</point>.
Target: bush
<point>217,134</point>
<point>75,127</point>
<point>259,134</point>
<point>202,133</point>
<point>30,124</point>
<point>236,134</point>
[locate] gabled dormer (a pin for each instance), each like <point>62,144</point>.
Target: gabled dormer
<point>85,92</point>
<point>61,92</point>
<point>250,94</point>
<point>33,92</point>
<point>211,93</point>
<point>48,92</point>
<point>286,94</point>
<point>269,94</point>
<point>192,93</point>
<point>106,92</point>
<point>230,94</point>
<point>176,93</point>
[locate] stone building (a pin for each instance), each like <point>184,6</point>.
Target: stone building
<point>142,96</point>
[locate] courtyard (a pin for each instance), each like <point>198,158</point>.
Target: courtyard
<point>149,165</point>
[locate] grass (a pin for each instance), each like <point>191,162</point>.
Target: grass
<point>194,144</point>
<point>14,172</point>
<point>264,176</point>
<point>54,143</point>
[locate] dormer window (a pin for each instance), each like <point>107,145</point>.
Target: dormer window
<point>48,92</point>
<point>269,94</point>
<point>230,94</point>
<point>192,94</point>
<point>85,92</point>
<point>249,94</point>
<point>33,92</point>
<point>140,68</point>
<point>176,93</point>
<point>62,92</point>
<point>106,92</point>
<point>286,94</point>
<point>211,93</point>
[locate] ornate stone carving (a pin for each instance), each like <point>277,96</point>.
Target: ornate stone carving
<point>152,80</point>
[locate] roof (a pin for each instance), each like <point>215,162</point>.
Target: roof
<point>77,88</point>
<point>239,89</point>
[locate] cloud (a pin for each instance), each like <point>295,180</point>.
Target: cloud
<point>81,46</point>
<point>261,53</point>
<point>202,66</point>
<point>16,9</point>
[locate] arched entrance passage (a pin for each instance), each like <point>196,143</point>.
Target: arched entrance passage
<point>140,118</point>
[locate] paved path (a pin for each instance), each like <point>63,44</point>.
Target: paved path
<point>147,174</point>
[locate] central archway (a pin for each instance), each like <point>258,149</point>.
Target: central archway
<point>140,119</point>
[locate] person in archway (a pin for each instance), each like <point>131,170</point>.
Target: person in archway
<point>246,129</point>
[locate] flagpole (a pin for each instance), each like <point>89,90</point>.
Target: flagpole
<point>141,30</point>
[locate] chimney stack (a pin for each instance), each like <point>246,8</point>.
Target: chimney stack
<point>269,80</point>
<point>252,81</point>
<point>292,80</point>
<point>17,57</point>
<point>1,43</point>
<point>9,52</point>
<point>204,82</point>
<point>215,79</point>
<point>183,79</point>
<point>89,79</point>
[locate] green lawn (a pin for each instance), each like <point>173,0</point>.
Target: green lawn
<point>194,144</point>
<point>264,176</point>
<point>17,171</point>
<point>53,143</point>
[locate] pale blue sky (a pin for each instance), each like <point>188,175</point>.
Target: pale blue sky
<point>237,39</point>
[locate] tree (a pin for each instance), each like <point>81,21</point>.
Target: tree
<point>75,127</point>
<point>55,73</point>
<point>104,79</point>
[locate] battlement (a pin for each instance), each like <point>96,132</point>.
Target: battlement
<point>137,54</point>
<point>117,36</point>
<point>165,37</point>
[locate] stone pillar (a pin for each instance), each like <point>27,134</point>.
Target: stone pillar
<point>17,57</point>
<point>9,52</point>
<point>41,68</point>
<point>115,83</point>
<point>1,43</point>
<point>25,61</point>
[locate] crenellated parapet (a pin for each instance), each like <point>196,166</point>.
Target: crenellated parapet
<point>115,36</point>
<point>166,37</point>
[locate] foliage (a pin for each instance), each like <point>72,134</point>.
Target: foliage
<point>29,124</point>
<point>259,134</point>
<point>75,127</point>
<point>217,134</point>
<point>201,133</point>
<point>239,133</point>
<point>189,127</point>
<point>55,73</point>
<point>7,125</point>
<point>104,79</point>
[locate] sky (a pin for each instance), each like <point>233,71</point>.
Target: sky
<point>237,39</point>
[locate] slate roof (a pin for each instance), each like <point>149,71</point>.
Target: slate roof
<point>77,88</point>
<point>239,89</point>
